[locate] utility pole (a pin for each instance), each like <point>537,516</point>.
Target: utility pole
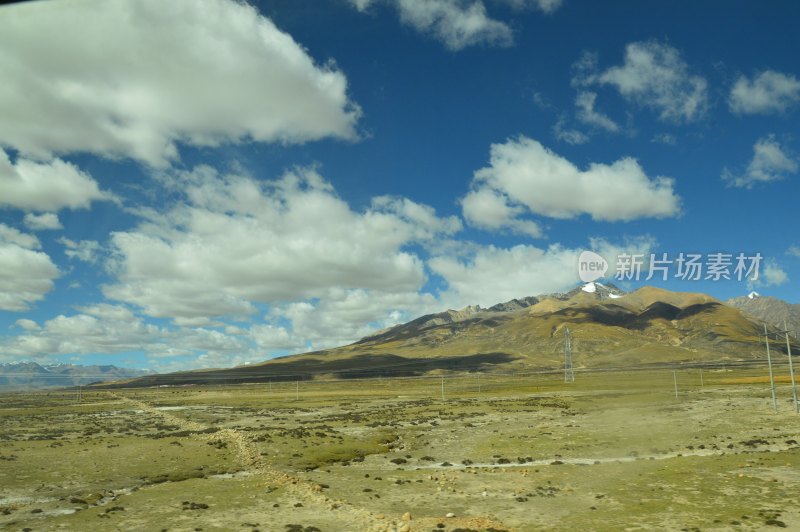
<point>442,387</point>
<point>569,373</point>
<point>791,367</point>
<point>297,390</point>
<point>675,382</point>
<point>771,376</point>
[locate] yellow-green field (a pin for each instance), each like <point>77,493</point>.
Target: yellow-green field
<point>612,451</point>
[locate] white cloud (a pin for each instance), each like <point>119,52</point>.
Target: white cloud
<point>774,275</point>
<point>545,6</point>
<point>490,274</point>
<point>769,92</point>
<point>362,5</point>
<point>654,75</point>
<point>344,316</point>
<point>109,312</point>
<point>457,23</point>
<point>42,222</point>
<point>134,78</point>
<point>529,177</point>
<point>272,337</point>
<point>490,209</point>
<point>570,136</point>
<point>340,317</point>
<point>45,186</point>
<point>548,6</point>
<point>664,138</point>
<point>109,329</point>
<point>84,250</point>
<point>769,163</point>
<point>584,70</point>
<point>422,219</point>
<point>587,114</point>
<point>234,241</point>
<point>26,324</point>
<point>771,275</point>
<point>26,274</point>
<point>794,251</point>
<point>14,236</point>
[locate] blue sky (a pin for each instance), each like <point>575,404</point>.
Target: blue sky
<point>219,183</point>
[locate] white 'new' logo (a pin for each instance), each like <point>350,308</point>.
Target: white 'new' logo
<point>591,266</point>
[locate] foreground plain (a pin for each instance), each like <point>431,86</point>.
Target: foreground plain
<point>612,451</point>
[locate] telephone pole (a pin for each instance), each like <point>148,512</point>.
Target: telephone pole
<point>569,373</point>
<point>791,367</point>
<point>771,375</point>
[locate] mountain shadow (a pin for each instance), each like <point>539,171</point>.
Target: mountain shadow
<point>361,366</point>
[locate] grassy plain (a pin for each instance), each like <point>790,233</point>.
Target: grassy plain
<point>612,451</point>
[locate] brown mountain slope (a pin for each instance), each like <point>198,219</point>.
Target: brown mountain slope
<point>647,327</point>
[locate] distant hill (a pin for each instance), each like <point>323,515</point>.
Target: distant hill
<point>30,375</point>
<point>610,329</point>
<point>770,310</point>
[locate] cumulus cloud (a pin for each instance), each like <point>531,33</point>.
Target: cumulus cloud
<point>770,274</point>
<point>768,92</point>
<point>770,162</point>
<point>774,275</point>
<point>26,274</point>
<point>109,329</point>
<point>587,114</point>
<point>548,6</point>
<point>653,75</point>
<point>422,219</point>
<point>234,241</point>
<point>273,337</point>
<point>42,222</point>
<point>83,250</point>
<point>26,324</point>
<point>490,209</point>
<point>362,5</point>
<point>525,177</point>
<point>135,78</point>
<point>344,316</point>
<point>11,235</point>
<point>489,274</point>
<point>570,136</point>
<point>45,186</point>
<point>545,6</point>
<point>456,23</point>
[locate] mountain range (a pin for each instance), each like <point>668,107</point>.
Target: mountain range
<point>31,375</point>
<point>771,310</point>
<point>609,328</point>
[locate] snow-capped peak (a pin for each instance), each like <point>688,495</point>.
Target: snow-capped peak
<point>589,287</point>
<point>753,295</point>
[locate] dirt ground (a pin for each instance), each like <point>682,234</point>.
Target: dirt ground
<point>612,451</point>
